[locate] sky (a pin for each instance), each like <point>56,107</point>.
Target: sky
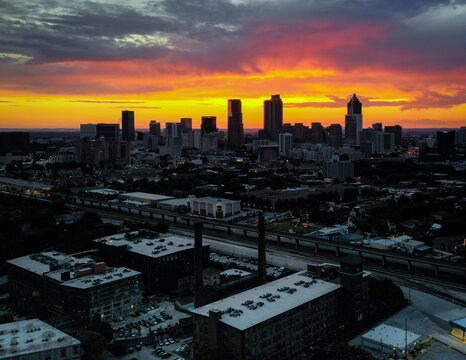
<point>63,63</point>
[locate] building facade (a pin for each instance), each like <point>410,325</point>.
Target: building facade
<point>273,117</point>
<point>271,321</point>
<point>208,124</point>
<point>55,283</point>
<point>162,259</point>
<point>127,125</point>
<point>285,144</point>
<point>235,124</point>
<point>213,207</point>
<point>353,121</point>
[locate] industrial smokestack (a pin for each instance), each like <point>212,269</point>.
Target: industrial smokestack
<point>262,274</point>
<point>198,266</point>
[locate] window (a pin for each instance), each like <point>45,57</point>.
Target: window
<point>63,353</point>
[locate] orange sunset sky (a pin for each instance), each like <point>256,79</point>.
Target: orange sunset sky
<point>82,61</point>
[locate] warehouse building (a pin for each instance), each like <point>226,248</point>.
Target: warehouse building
<point>163,259</point>
<point>55,283</point>
<point>271,321</point>
<point>36,340</point>
<point>280,318</point>
<point>144,198</point>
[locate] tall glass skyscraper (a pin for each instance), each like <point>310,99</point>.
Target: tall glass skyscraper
<point>273,117</point>
<point>353,121</point>
<point>127,124</point>
<point>235,124</point>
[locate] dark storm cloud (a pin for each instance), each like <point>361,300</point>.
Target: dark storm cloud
<point>223,35</point>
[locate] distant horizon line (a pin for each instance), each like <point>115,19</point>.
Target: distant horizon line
<point>249,129</point>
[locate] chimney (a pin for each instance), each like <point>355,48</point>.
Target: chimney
<point>214,317</point>
<point>198,266</point>
<point>261,252</point>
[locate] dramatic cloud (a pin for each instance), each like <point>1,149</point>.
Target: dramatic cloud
<point>402,55</point>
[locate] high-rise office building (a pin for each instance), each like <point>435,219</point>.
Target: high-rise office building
<point>88,131</point>
<point>208,124</point>
<point>335,132</point>
<point>353,121</point>
<point>154,128</point>
<point>397,130</point>
<point>173,134</point>
<point>285,143</point>
<point>186,124</point>
<point>127,124</point>
<point>317,132</point>
<point>273,117</point>
<point>108,131</point>
<point>377,126</point>
<point>235,123</point>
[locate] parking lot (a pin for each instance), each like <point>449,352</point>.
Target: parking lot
<point>153,318</point>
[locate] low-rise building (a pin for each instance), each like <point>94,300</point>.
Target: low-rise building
<point>36,340</point>
<point>162,259</point>
<point>271,321</point>
<point>214,207</point>
<point>146,198</point>
<point>56,283</point>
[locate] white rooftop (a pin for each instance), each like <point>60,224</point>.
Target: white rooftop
<point>104,191</point>
<point>268,300</point>
<point>146,196</point>
<point>232,272</point>
<point>390,336</point>
<point>154,247</point>
<point>27,336</point>
<point>41,264</point>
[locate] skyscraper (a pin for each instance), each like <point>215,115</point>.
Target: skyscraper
<point>154,128</point>
<point>397,130</point>
<point>235,123</point>
<point>173,134</point>
<point>209,124</point>
<point>87,131</point>
<point>335,135</point>
<point>353,121</point>
<point>108,131</point>
<point>377,126</point>
<point>273,117</point>
<point>186,124</point>
<point>127,124</point>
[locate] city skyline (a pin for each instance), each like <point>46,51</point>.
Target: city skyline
<point>404,61</point>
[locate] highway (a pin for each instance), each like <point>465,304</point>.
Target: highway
<point>288,256</point>
<point>233,230</point>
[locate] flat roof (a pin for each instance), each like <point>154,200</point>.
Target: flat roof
<point>459,323</point>
<point>233,272</point>
<point>146,196</point>
<point>175,202</point>
<point>53,264</point>
<point>154,247</point>
<point>104,191</point>
<point>214,200</point>
<point>268,300</point>
<point>390,336</point>
<point>27,337</point>
<point>25,183</point>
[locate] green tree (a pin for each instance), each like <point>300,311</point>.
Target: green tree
<point>93,343</point>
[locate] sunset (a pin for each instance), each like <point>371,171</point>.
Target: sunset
<point>232,179</point>
<point>65,63</point>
